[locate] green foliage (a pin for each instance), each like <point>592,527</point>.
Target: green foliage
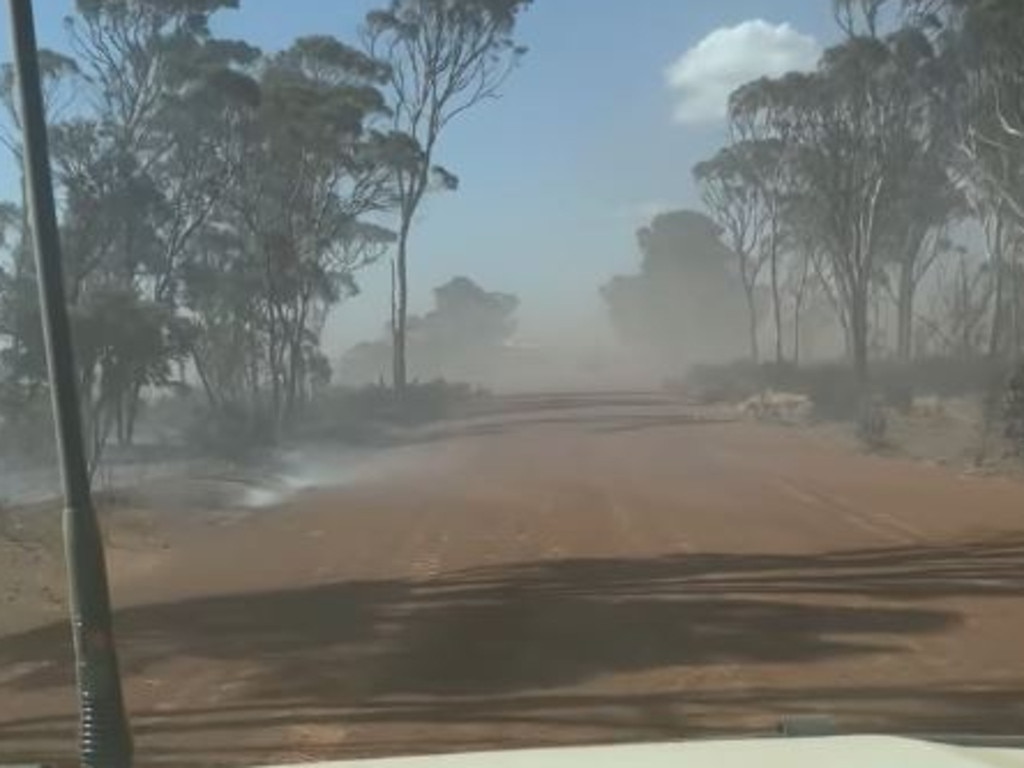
<point>870,160</point>
<point>213,202</point>
<point>288,236</point>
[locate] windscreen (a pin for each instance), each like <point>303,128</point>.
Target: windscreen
<point>487,374</point>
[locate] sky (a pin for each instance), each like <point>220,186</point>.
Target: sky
<point>597,131</point>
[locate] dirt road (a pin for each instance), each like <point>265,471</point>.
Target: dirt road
<point>572,570</point>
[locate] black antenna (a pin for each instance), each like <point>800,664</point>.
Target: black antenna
<point>105,737</point>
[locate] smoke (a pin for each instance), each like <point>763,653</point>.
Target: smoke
<point>302,470</point>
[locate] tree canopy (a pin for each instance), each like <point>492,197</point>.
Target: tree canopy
<point>907,135</point>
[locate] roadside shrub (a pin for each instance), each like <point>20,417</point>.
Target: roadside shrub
<point>230,432</point>
<point>833,388</point>
<point>834,392</point>
<point>872,424</point>
<point>1013,409</point>
<point>942,376</point>
<point>728,382</point>
<point>420,403</point>
<point>361,414</point>
<point>26,432</point>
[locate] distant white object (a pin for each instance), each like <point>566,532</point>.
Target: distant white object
<point>824,752</point>
<point>778,406</point>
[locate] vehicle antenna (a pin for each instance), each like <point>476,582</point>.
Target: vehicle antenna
<point>105,738</point>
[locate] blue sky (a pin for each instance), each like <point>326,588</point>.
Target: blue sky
<point>614,103</point>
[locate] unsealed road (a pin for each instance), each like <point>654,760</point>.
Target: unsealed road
<point>575,569</point>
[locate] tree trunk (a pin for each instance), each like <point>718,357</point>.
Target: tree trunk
<point>274,356</point>
<point>798,306</point>
<point>859,336</point>
<point>120,406</point>
<point>292,378</point>
<point>1015,304</point>
<point>276,399</point>
<point>197,362</point>
<point>996,331</point>
<point>400,299</point>
<point>776,303</point>
<point>132,413</point>
<point>796,339</point>
<point>905,312</point>
<point>965,308</point>
<point>755,349</point>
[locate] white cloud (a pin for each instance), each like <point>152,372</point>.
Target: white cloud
<point>704,76</point>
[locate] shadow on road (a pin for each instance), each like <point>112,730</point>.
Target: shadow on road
<point>530,644</point>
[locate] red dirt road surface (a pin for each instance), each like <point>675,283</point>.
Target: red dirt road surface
<point>572,570</point>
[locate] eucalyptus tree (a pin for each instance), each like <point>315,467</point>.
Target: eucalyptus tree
<point>445,57</point>
<point>735,202</point>
<point>296,224</point>
<point>847,130</point>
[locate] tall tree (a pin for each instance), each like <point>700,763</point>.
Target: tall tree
<point>160,83</point>
<point>922,199</point>
<point>766,157</point>
<point>981,85</point>
<point>59,76</point>
<point>845,124</point>
<point>445,57</point>
<point>291,229</point>
<point>732,196</point>
<point>144,167</point>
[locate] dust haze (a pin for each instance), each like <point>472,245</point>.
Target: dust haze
<point>203,312</point>
<point>403,438</point>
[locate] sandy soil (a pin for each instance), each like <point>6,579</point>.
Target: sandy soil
<point>570,570</point>
<point>949,432</point>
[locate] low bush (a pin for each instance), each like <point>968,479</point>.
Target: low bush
<point>359,414</point>
<point>1013,409</point>
<point>873,424</point>
<point>728,382</point>
<point>419,403</point>
<point>26,432</point>
<point>230,432</point>
<point>833,387</point>
<point>349,414</point>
